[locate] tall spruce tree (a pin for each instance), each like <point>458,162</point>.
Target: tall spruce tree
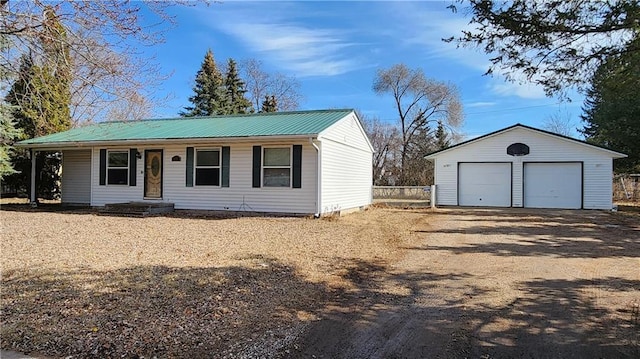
<point>209,96</point>
<point>8,131</point>
<point>235,87</point>
<point>8,135</point>
<point>270,104</point>
<point>612,107</point>
<point>442,137</point>
<point>41,96</point>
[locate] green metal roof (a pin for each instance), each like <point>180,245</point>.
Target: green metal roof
<point>234,126</point>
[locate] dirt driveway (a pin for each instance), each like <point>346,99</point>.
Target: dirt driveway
<point>494,284</point>
<point>383,283</point>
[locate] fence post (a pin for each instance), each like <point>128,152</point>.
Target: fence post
<point>433,196</point>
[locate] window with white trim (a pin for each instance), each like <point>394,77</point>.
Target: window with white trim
<point>207,167</point>
<point>118,167</point>
<point>276,167</point>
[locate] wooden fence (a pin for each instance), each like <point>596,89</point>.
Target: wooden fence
<point>626,187</point>
<point>402,192</point>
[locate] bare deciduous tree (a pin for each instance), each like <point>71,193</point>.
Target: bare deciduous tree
<point>421,104</point>
<point>385,139</point>
<point>259,84</point>
<point>560,123</point>
<point>104,39</point>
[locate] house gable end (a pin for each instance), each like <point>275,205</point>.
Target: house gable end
<point>348,131</point>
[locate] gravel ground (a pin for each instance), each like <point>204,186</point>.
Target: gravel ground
<point>381,283</point>
<point>75,283</point>
<point>477,283</point>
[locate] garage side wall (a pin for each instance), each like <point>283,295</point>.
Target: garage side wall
<point>597,165</point>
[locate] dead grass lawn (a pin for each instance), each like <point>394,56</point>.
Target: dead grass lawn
<point>470,282</point>
<point>88,285</point>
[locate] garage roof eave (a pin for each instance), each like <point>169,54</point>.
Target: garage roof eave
<point>432,156</point>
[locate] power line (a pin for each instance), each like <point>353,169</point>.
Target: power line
<point>511,109</point>
<point>492,111</point>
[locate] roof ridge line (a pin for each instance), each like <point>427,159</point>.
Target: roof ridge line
<point>256,114</point>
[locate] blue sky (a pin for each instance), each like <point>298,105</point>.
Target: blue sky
<point>334,49</point>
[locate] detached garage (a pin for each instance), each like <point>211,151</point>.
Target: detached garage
<point>521,166</point>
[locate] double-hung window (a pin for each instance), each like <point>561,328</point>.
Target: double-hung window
<point>276,167</point>
<point>207,167</point>
<point>118,167</point>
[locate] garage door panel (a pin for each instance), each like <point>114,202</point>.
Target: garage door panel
<point>484,184</point>
<point>553,185</point>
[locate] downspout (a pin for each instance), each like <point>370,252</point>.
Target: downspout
<point>318,178</point>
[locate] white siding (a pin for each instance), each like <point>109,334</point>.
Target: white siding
<point>348,132</point>
<point>543,148</point>
<point>446,180</point>
<point>347,172</point>
<point>76,177</point>
<point>346,177</point>
<point>239,196</point>
<point>101,195</point>
<point>598,183</point>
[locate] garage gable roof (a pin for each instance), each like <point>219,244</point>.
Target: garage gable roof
<point>275,124</point>
<point>612,153</point>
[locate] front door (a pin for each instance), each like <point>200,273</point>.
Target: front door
<point>153,174</point>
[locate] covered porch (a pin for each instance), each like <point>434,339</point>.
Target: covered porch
<point>74,173</point>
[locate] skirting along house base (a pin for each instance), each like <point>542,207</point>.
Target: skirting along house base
<point>306,162</point>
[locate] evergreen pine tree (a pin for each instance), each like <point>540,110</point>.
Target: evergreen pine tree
<point>270,104</point>
<point>8,134</point>
<point>612,107</point>
<point>235,88</point>
<point>442,139</point>
<point>8,131</point>
<point>209,91</point>
<point>40,97</point>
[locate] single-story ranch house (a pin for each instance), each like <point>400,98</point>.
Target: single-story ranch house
<point>306,162</point>
<point>521,166</point>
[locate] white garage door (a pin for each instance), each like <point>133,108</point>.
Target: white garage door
<point>484,184</point>
<point>553,185</point>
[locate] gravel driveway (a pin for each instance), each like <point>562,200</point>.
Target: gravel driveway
<point>495,284</point>
<point>383,283</point>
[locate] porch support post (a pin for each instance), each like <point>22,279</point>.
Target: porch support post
<point>34,200</point>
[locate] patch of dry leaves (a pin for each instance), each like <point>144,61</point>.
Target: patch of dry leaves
<point>191,285</point>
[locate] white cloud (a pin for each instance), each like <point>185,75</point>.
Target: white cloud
<point>480,104</point>
<point>426,26</point>
<point>431,26</point>
<point>270,30</point>
<point>305,51</point>
<point>523,90</point>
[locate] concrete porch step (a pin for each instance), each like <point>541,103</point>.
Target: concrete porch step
<point>136,209</point>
